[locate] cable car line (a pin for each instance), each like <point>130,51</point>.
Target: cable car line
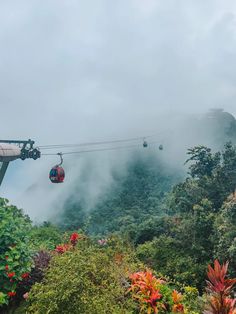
<point>141,138</point>
<point>89,143</point>
<point>96,150</point>
<point>91,150</point>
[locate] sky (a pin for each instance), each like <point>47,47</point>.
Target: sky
<point>85,70</point>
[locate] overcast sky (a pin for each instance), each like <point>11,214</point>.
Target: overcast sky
<point>77,70</point>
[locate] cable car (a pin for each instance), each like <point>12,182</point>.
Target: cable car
<point>145,144</point>
<point>57,173</point>
<point>161,147</point>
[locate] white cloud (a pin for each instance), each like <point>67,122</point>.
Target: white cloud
<point>73,71</point>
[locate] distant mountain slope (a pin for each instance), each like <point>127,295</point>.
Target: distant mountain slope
<point>132,198</point>
<point>137,194</point>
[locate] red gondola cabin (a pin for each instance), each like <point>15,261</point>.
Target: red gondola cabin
<point>57,174</point>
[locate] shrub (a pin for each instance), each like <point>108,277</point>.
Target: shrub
<point>158,296</point>
<point>15,255</point>
<point>219,290</point>
<point>41,262</point>
<point>45,237</point>
<point>86,278</point>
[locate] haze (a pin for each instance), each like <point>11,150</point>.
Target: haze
<point>74,71</point>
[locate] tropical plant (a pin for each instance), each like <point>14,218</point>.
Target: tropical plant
<point>157,295</point>
<point>219,290</point>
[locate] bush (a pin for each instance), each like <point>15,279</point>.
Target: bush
<point>41,262</point>
<point>45,237</point>
<point>89,278</point>
<point>166,255</point>
<point>15,255</point>
<point>220,290</point>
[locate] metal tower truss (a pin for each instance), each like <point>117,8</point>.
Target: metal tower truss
<point>25,148</point>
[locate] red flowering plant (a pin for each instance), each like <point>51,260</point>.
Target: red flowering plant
<point>219,290</point>
<point>62,248</point>
<point>15,255</point>
<point>74,238</point>
<point>154,295</point>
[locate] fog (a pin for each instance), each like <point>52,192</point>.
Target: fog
<point>77,71</point>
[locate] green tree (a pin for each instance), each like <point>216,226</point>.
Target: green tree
<point>225,234</point>
<point>204,161</point>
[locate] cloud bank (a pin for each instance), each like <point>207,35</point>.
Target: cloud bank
<point>74,71</point>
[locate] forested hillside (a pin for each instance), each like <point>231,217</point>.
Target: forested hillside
<point>130,200</point>
<point>172,217</point>
<point>176,231</point>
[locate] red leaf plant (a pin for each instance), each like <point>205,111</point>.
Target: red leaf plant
<point>146,289</point>
<point>177,298</point>
<point>219,289</point>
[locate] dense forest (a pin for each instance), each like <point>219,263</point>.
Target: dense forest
<point>145,246</point>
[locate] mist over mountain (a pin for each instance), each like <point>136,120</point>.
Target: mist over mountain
<point>134,185</point>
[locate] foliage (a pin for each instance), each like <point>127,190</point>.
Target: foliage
<point>154,295</point>
<point>45,237</point>
<point>199,212</point>
<point>191,300</point>
<point>225,234</point>
<point>219,289</point>
<point>95,278</point>
<point>133,198</point>
<point>212,176</point>
<point>15,255</point>
<point>167,256</point>
<point>204,162</point>
<point>41,262</point>
<point>87,278</point>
